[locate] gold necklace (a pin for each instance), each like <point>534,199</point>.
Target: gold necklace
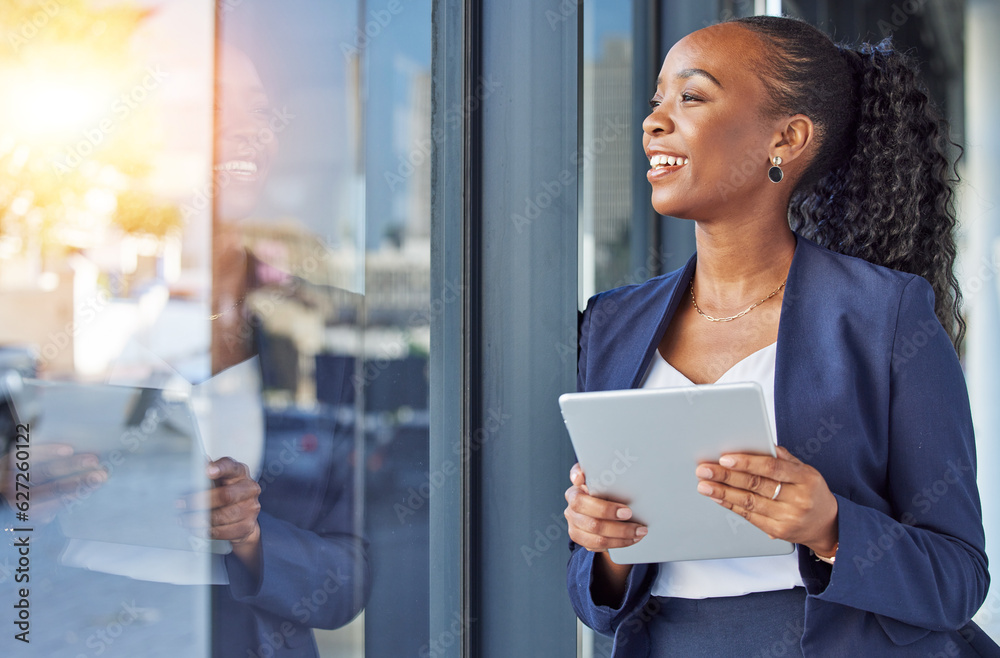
<point>741,313</point>
<point>216,316</point>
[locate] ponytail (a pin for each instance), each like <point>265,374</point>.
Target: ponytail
<point>879,186</point>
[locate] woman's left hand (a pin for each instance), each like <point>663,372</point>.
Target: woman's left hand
<point>782,496</point>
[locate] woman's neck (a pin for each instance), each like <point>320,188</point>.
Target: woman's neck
<point>744,261</point>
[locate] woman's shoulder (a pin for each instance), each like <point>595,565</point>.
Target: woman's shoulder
<point>868,299</point>
<point>850,268</point>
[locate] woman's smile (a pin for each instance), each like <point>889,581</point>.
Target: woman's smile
<point>662,165</point>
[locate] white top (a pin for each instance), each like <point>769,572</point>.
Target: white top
<point>702,579</point>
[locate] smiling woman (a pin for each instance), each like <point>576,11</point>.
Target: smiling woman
<point>758,126</point>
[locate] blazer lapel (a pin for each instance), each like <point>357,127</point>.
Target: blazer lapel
<point>655,316</point>
<point>791,377</point>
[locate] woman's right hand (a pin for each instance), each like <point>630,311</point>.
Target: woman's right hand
<point>597,524</point>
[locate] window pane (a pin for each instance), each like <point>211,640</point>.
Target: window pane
<point>105,149</point>
<point>607,147</point>
<point>215,242</point>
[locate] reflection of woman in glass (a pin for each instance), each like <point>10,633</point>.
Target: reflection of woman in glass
<point>245,148</point>
<point>298,561</point>
<point>755,122</point>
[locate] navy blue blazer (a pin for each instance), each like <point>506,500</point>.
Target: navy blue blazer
<point>869,391</point>
<point>315,570</point>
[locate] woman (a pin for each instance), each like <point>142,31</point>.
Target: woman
<point>756,122</point>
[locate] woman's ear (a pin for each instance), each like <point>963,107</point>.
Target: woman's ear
<point>794,136</point>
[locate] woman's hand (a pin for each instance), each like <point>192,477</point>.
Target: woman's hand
<point>233,507</point>
<point>58,477</point>
<point>801,511</point>
<point>597,525</point>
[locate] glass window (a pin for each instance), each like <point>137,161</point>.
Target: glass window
<point>215,249</point>
<point>608,144</point>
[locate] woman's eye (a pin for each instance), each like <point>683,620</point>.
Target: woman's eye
<point>654,103</point>
<point>685,97</point>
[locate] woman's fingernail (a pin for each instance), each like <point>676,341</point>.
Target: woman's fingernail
<point>624,513</point>
<point>703,472</point>
<point>705,488</point>
<point>727,461</point>
<point>213,471</point>
<point>641,531</point>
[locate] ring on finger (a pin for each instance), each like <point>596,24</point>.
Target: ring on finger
<point>777,490</point>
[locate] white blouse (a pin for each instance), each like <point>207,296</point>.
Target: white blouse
<point>702,579</point>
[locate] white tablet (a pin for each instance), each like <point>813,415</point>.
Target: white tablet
<point>148,441</point>
<point>641,447</point>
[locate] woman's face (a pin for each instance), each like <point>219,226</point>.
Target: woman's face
<point>245,142</point>
<point>707,120</point>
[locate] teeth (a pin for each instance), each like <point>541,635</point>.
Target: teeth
<point>661,160</point>
<point>237,165</point>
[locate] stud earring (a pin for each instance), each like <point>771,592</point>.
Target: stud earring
<point>774,173</point>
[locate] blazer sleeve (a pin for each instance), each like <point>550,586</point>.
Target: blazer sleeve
<point>579,572</point>
<point>924,566</point>
<point>602,618</point>
<point>317,576</point>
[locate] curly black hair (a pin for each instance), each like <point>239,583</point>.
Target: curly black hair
<point>880,184</point>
